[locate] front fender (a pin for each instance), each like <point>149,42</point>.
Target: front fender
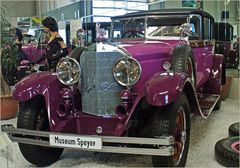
<point>35,84</point>
<point>163,88</point>
<point>45,84</point>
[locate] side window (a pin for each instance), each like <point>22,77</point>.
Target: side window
<point>207,28</point>
<point>195,23</point>
<point>212,29</point>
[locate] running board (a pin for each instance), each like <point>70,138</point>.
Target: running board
<point>207,103</point>
<point>159,146</point>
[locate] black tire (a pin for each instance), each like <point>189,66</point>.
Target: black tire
<point>183,61</point>
<point>223,74</point>
<point>33,116</point>
<point>174,120</point>
<point>234,130</point>
<point>218,105</point>
<point>77,52</point>
<point>225,154</point>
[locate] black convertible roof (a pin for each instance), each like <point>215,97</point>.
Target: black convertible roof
<point>179,11</point>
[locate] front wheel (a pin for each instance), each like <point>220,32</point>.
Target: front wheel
<point>33,116</point>
<point>173,120</point>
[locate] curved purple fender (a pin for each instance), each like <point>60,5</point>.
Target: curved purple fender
<point>163,88</point>
<point>35,84</point>
<point>45,84</point>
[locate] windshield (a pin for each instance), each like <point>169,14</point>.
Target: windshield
<point>128,28</point>
<point>156,26</point>
<point>165,26</point>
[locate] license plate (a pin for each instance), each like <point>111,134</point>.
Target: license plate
<point>75,141</point>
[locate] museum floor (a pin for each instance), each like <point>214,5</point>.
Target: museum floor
<point>204,135</point>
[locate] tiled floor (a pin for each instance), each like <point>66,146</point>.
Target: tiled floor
<point>233,72</point>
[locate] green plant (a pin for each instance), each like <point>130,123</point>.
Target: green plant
<point>9,62</point>
<point>8,54</point>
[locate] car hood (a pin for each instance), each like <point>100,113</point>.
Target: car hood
<point>149,49</point>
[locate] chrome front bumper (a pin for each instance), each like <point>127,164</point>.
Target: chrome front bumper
<point>160,146</point>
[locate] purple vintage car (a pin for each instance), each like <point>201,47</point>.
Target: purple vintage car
<point>35,48</point>
<point>132,94</point>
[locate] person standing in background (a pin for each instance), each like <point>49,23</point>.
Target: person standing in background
<point>18,37</point>
<point>55,48</point>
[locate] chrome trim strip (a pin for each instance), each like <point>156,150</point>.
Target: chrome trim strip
<point>165,143</point>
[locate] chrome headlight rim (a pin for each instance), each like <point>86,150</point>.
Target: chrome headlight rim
<point>136,80</point>
<point>58,72</point>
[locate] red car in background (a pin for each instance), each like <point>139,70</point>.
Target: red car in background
<point>34,47</point>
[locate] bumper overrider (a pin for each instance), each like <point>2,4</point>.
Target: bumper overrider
<point>160,146</point>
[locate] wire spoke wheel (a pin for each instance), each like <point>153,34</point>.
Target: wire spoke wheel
<point>173,120</point>
<point>180,135</point>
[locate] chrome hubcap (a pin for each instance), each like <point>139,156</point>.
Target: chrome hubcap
<point>183,136</point>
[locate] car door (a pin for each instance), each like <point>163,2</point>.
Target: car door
<point>208,47</point>
<point>202,47</point>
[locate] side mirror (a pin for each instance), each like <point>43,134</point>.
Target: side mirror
<point>185,29</point>
<point>100,33</point>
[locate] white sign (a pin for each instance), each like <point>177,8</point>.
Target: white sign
<point>74,26</point>
<point>62,31</point>
<point>75,141</point>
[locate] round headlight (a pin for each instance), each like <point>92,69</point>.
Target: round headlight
<point>68,71</point>
<point>127,71</point>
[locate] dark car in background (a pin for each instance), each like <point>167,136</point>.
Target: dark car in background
<point>223,33</point>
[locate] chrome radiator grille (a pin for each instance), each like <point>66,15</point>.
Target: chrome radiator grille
<point>100,91</point>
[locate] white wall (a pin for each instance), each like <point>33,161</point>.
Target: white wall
<point>61,3</point>
<point>220,6</point>
<point>14,21</point>
<point>16,9</point>
<point>233,12</point>
<point>212,8</point>
<point>173,4</point>
<point>20,8</point>
<point>41,7</point>
<point>44,6</point>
